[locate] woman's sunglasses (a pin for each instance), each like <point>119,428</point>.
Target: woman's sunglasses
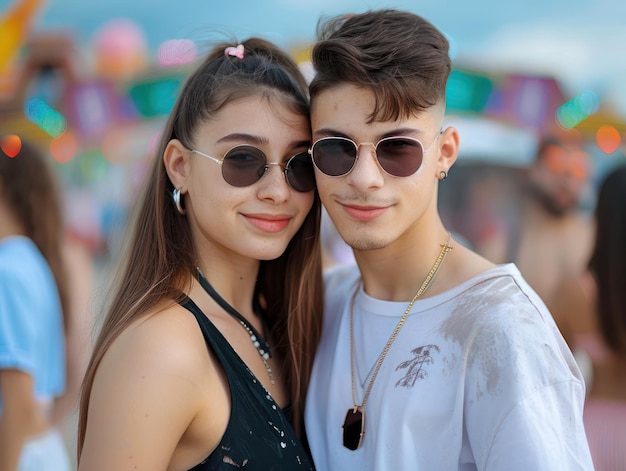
<point>398,156</point>
<point>245,165</point>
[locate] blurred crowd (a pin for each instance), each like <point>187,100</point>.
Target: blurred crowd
<point>550,198</point>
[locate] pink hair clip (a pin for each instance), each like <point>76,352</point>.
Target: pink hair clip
<point>234,51</point>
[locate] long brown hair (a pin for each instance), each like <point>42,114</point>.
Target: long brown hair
<point>30,189</point>
<point>159,260</point>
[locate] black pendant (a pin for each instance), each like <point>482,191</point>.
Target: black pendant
<point>354,428</point>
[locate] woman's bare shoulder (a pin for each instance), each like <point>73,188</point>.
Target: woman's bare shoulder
<point>151,389</point>
<point>167,336</point>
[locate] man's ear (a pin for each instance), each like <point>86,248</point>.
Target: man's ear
<point>176,160</point>
<point>448,150</point>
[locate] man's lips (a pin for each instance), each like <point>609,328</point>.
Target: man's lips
<point>268,222</point>
<point>364,213</point>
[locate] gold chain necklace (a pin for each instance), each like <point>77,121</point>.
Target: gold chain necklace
<point>354,423</point>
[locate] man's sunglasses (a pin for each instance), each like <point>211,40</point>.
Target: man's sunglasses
<point>398,156</point>
<point>245,165</point>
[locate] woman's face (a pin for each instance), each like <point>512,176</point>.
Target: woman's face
<point>255,221</point>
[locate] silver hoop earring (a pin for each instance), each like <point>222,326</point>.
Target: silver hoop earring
<point>443,175</point>
<point>177,201</point>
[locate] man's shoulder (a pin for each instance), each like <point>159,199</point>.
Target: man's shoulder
<point>18,252</point>
<point>501,287</point>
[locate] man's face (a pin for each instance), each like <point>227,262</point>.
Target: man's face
<point>559,177</point>
<point>371,207</point>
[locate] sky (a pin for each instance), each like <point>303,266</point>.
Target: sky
<point>580,42</point>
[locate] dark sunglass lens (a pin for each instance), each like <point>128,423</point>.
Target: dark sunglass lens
<point>334,156</point>
<point>300,174</point>
<point>243,166</point>
<point>399,156</point>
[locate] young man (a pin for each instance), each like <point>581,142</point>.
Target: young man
<point>431,358</point>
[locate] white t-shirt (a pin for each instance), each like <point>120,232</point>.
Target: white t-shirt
<point>479,378</point>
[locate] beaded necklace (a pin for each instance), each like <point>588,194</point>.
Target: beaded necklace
<point>262,345</point>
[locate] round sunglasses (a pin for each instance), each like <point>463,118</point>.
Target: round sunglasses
<point>245,165</point>
<point>399,156</point>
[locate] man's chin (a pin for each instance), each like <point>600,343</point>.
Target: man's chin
<point>558,209</point>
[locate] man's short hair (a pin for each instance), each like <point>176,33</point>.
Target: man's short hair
<point>401,57</point>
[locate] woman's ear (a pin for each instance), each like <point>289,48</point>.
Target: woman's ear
<point>176,161</point>
<point>448,150</point>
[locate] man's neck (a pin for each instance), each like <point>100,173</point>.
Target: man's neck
<point>395,274</point>
<point>537,212</point>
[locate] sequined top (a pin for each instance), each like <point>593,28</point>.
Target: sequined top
<point>258,435</point>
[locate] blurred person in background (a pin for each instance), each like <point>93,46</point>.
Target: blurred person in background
<point>591,312</point>
<point>551,237</point>
<point>204,356</point>
<point>33,302</point>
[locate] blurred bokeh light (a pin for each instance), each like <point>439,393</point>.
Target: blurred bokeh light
<point>11,145</point>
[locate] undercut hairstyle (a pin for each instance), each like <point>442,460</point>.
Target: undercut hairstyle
<point>401,57</point>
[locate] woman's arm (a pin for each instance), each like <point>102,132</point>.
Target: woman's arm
<point>79,266</point>
<point>21,416</point>
<point>146,393</point>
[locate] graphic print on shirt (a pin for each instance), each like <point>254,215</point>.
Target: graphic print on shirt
<point>422,356</point>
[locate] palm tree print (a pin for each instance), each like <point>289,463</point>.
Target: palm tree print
<point>415,366</point>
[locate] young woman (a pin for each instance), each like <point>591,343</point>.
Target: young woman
<point>33,304</point>
<point>204,356</point>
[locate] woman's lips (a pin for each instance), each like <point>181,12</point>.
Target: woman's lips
<point>267,222</point>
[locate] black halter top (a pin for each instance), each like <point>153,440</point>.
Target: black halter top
<point>258,435</point>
